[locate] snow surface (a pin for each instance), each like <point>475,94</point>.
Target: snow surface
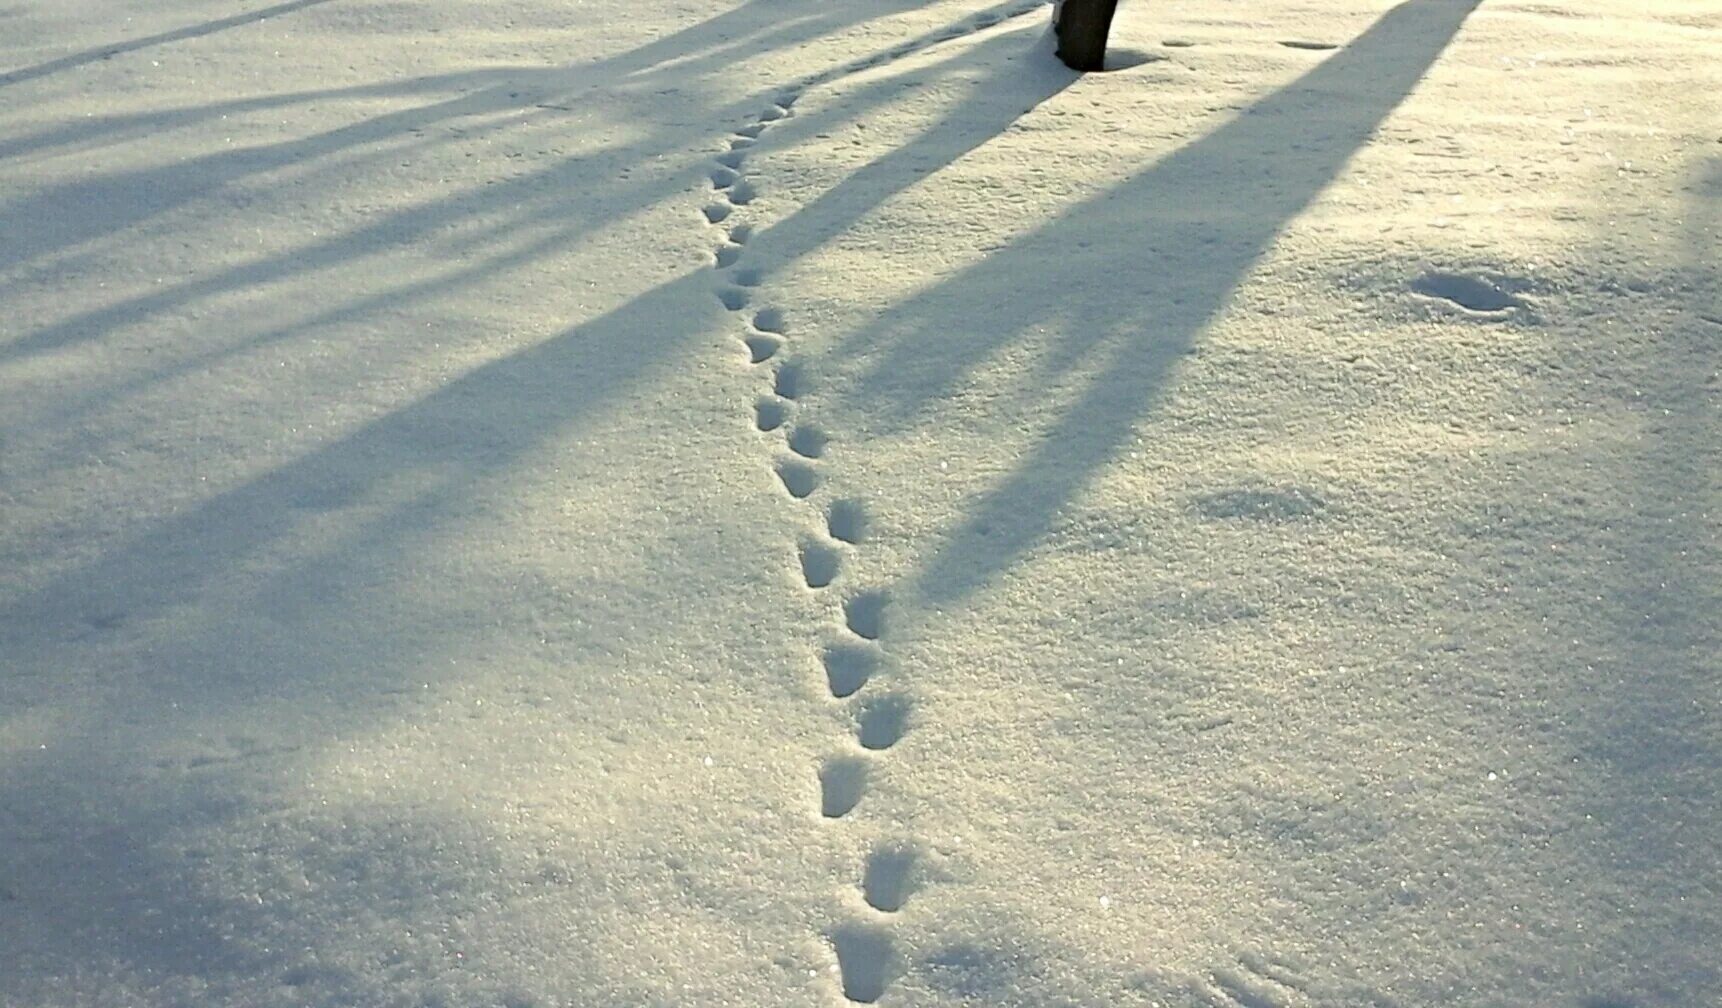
<point>779,502</point>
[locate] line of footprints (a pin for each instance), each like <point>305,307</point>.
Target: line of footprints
<point>851,655</point>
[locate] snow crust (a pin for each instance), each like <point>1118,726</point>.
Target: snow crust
<point>732,503</point>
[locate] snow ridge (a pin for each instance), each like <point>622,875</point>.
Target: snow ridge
<point>865,958</point>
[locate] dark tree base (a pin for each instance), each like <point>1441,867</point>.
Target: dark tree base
<point>1082,29</point>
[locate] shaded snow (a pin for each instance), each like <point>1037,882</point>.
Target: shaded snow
<point>764,504</point>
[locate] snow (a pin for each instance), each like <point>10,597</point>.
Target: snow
<point>728,503</point>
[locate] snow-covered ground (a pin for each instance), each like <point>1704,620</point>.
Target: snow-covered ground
<point>779,502</point>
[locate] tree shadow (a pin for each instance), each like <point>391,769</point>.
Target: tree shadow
<point>380,492</point>
<point>711,46</point>
<point>1192,245</point>
<point>164,38</point>
<point>752,26</point>
<point>76,212</point>
<point>231,607</point>
<point>80,210</point>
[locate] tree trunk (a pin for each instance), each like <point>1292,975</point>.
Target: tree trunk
<point>1081,29</point>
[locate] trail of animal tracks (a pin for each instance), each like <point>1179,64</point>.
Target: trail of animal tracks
<point>780,503</point>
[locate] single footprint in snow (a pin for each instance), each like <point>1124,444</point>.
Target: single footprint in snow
<point>865,961</point>
<point>727,256</point>
<point>819,564</point>
<point>808,442</point>
<point>848,667</point>
<point>888,880</point>
<point>748,277</point>
<point>770,320</point>
<point>741,233</point>
<point>842,782</point>
<point>882,721</point>
<point>864,615</point>
<point>1474,294</point>
<point>732,298</point>
<point>773,113</point>
<point>847,521</point>
<point>731,159</point>
<point>762,348</point>
<point>798,477</point>
<point>716,212</point>
<point>724,178</point>
<point>770,413</point>
<point>1315,46</point>
<point>742,193</point>
<point>750,132</point>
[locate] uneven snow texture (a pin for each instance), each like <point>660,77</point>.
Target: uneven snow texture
<point>776,502</point>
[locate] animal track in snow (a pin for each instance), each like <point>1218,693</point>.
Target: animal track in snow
<point>864,615</point>
<point>1313,46</point>
<point>848,667</point>
<point>762,348</point>
<point>882,721</point>
<point>1474,294</point>
<point>799,478</point>
<point>842,782</point>
<point>847,521</point>
<point>865,961</point>
<point>819,564</point>
<point>770,320</point>
<point>888,881</point>
<point>808,442</point>
<point>769,413</point>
